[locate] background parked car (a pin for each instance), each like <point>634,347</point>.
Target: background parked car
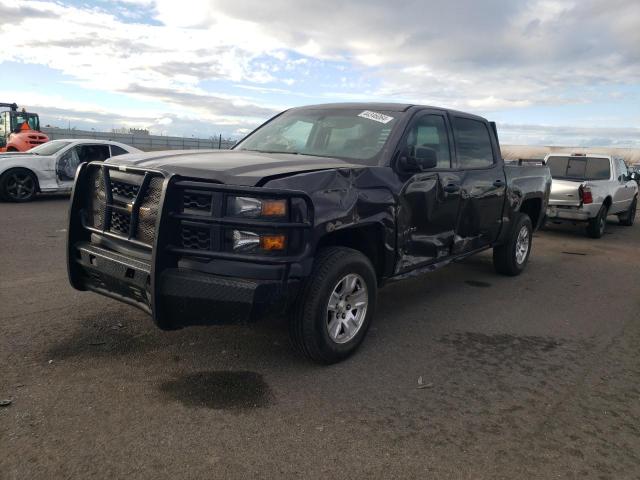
<point>589,188</point>
<point>634,172</point>
<point>51,167</point>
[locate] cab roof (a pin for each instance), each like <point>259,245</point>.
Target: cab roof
<point>382,106</point>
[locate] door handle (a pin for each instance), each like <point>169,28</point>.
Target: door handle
<point>451,188</point>
<point>498,183</point>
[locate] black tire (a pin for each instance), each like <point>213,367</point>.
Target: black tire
<point>310,318</point>
<point>18,185</point>
<point>630,216</point>
<point>508,258</point>
<point>597,225</point>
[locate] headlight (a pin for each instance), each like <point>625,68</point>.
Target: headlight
<point>250,207</point>
<point>244,241</point>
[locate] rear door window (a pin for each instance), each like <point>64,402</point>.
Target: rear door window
<point>473,143</point>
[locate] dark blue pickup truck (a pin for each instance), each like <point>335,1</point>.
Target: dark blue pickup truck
<point>307,216</point>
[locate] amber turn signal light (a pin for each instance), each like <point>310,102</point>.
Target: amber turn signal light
<point>273,242</point>
<point>274,208</point>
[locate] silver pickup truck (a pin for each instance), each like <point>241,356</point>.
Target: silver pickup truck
<point>587,189</point>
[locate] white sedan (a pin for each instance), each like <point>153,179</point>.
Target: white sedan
<point>51,167</point>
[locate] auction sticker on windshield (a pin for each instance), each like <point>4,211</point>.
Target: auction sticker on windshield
<point>375,116</point>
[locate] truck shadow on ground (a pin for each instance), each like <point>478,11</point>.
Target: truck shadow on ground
<point>579,231</point>
<point>105,335</point>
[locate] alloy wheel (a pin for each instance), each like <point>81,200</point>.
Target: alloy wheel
<point>20,186</point>
<point>522,245</point>
<point>347,308</point>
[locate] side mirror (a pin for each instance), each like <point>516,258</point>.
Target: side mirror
<point>418,159</point>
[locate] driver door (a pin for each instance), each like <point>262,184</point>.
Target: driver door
<point>429,200</point>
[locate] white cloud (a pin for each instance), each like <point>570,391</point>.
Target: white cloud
<point>484,56</point>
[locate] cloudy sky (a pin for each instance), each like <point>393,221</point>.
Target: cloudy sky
<point>549,72</point>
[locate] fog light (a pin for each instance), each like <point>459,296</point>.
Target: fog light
<point>245,241</point>
<point>272,242</point>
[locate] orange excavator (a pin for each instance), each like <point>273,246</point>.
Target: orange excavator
<point>19,131</point>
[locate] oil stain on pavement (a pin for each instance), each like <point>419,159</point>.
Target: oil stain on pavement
<point>222,390</point>
<point>477,283</point>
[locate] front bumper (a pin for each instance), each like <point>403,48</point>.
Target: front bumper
<point>184,296</point>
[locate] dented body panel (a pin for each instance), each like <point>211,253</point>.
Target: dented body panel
<point>405,222</point>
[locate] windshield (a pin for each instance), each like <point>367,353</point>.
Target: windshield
<point>338,133</point>
<point>49,148</point>
<point>20,118</point>
<point>579,168</point>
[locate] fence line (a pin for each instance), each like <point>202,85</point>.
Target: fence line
<point>143,142</point>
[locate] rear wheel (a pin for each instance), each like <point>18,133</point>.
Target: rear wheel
<point>511,258</point>
<point>335,307</point>
<point>597,225</point>
<point>18,185</point>
<point>629,217</point>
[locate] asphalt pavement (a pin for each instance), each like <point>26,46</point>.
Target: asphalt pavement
<point>530,377</point>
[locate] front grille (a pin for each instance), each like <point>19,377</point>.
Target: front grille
<point>128,191</point>
<point>195,238</point>
<point>120,222</point>
<point>196,203</point>
<point>125,190</point>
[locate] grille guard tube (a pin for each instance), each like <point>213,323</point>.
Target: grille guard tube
<point>78,232</point>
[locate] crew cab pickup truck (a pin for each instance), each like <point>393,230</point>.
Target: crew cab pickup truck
<point>587,189</point>
<point>308,216</point>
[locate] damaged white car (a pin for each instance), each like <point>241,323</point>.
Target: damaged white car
<point>51,167</point>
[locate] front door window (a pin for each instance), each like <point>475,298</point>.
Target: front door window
<point>68,164</point>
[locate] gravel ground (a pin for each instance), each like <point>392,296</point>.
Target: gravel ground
<point>530,377</point>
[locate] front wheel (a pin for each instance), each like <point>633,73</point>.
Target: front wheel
<point>335,307</point>
<point>629,217</point>
<point>18,185</point>
<point>511,257</point>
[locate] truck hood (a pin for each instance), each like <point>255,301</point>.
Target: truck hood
<point>235,167</point>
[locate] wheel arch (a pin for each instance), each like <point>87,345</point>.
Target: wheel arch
<point>533,207</point>
<point>368,239</point>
